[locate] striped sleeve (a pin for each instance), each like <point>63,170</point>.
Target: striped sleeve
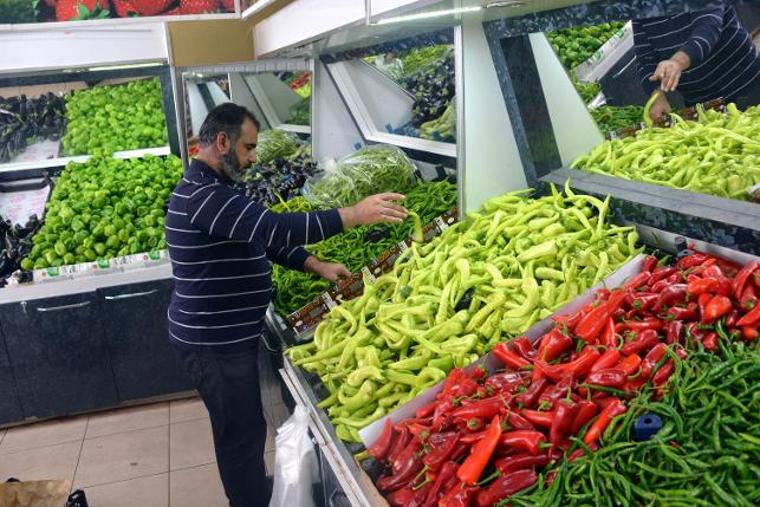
<point>293,258</point>
<point>646,59</point>
<point>705,33</point>
<point>221,212</point>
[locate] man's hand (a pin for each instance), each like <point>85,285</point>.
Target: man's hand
<point>669,72</point>
<point>328,270</point>
<point>374,209</point>
<point>660,107</point>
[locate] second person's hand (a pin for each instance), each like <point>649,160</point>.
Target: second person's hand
<point>379,208</point>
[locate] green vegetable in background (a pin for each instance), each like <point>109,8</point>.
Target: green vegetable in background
<point>460,294</point>
<point>274,144</point>
<point>443,128</point>
<point>18,11</point>
<point>106,119</point>
<point>105,208</point>
<point>370,170</point>
<point>576,45</point>
<point>294,289</point>
<point>717,154</point>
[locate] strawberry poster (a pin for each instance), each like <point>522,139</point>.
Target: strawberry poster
<point>36,11</point>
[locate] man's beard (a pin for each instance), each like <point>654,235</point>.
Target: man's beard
<point>231,167</point>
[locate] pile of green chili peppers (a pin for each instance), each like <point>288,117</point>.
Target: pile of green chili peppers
<point>718,154</point>
<point>707,452</point>
<point>355,247</point>
<point>446,303</point>
<point>612,118</point>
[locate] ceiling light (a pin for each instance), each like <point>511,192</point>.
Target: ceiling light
<point>428,15</point>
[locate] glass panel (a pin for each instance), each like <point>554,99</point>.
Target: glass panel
<point>423,92</point>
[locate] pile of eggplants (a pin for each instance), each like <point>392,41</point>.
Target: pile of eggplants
<point>23,120</point>
<point>15,244</point>
<point>433,89</point>
<point>280,179</point>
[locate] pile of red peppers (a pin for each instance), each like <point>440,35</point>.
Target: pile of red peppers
<point>485,437</point>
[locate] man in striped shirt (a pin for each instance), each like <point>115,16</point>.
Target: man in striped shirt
<point>221,244</point>
<point>705,54</point>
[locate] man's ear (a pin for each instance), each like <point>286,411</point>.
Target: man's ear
<point>223,142</point>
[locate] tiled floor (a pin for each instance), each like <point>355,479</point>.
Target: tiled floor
<point>157,455</point>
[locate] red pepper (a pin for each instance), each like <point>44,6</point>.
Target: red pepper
<point>742,277</point>
<point>400,443</point>
<point>401,497</point>
<point>469,472</point>
<point>665,283</point>
<point>640,325</point>
<point>510,358</point>
<point>564,415</point>
<point>505,486</point>
<point>485,409</point>
<point>663,374</point>
<point>691,261</point>
<point>607,378</point>
<point>382,446</point>
<point>517,462</point>
<point>749,297</point>
<point>553,345</point>
<point>529,398</point>
<point>518,422</point>
<point>555,393</point>
<point>578,453</point>
<point>615,408</point>
<point>675,332</point>
<point>750,333</point>
<point>732,318</point>
<point>479,372</point>
<point>607,360</point>
<point>402,463</point>
<point>751,318</point>
<point>393,482</point>
<point>592,324</point>
<point>642,301</point>
<point>426,411</point>
<point>445,481</point>
<point>639,280</point>
<point>458,496</point>
<point>671,295</point>
<point>651,359</point>
<point>650,264</point>
<point>725,287</point>
<point>584,412</point>
<point>507,382</point>
<point>630,364</point>
<point>419,430</point>
<point>572,320</point>
<point>716,308</point>
<point>698,286</point>
<point>458,384</point>
<point>575,368</point>
<point>539,418</point>
<point>702,302</point>
<point>688,313</point>
<point>523,440</point>
<point>710,341</point>
<point>524,347</point>
<point>644,341</point>
<point>609,337</point>
<point>441,446</point>
<point>661,274</point>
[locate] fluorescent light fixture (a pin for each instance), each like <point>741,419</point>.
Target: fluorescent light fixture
<point>428,15</point>
<point>127,66</point>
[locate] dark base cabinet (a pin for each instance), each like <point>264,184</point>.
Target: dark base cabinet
<point>144,362</point>
<point>58,355</point>
<point>85,352</point>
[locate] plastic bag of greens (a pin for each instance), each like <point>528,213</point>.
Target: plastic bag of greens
<point>274,144</point>
<point>295,463</point>
<point>370,170</point>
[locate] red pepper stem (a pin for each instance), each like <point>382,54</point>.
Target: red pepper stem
<point>488,479</point>
<point>423,471</point>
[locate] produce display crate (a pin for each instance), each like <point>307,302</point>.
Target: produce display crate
<point>307,318</point>
<point>356,482</point>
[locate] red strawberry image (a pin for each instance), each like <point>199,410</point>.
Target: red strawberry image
<point>228,5</point>
<point>67,10</point>
<point>126,8</point>
<point>198,6</point>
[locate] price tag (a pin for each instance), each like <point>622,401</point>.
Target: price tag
<point>441,224</point>
<point>369,275</point>
<point>329,301</point>
<point>403,246</point>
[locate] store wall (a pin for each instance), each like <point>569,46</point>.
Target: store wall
<point>211,42</point>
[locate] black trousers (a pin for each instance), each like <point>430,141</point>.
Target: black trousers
<point>228,383</point>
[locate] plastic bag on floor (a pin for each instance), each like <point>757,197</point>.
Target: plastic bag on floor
<point>34,493</point>
<point>295,463</point>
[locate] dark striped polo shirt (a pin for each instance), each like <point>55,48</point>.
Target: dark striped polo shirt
<point>221,244</point>
<point>724,61</point>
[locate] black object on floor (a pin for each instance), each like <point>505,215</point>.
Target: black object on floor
<point>77,499</point>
